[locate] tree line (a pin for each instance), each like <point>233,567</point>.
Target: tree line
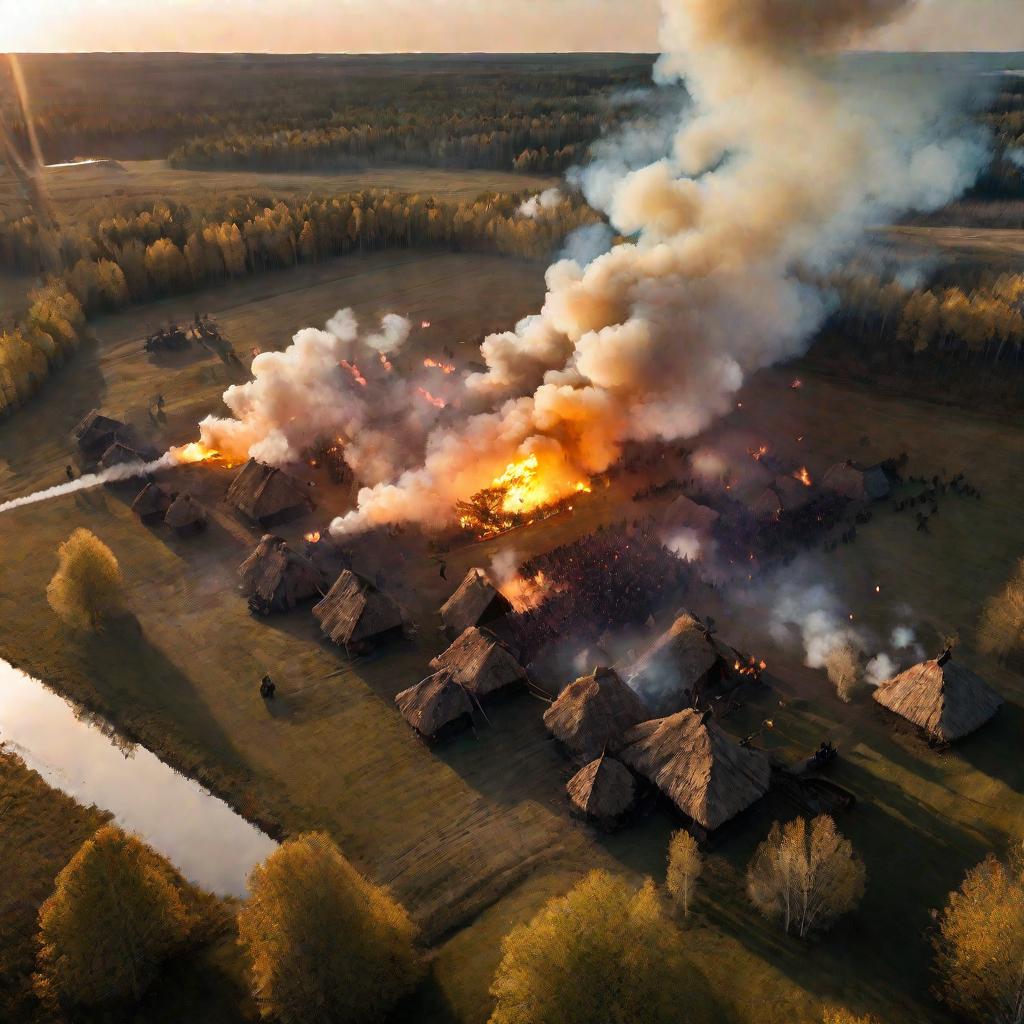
<point>139,253</point>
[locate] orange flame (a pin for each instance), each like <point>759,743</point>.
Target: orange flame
<point>194,451</point>
<point>354,370</point>
<point>803,476</point>
<point>424,324</point>
<point>525,593</point>
<point>757,454</point>
<point>313,537</point>
<point>437,403</point>
<point>437,364</point>
<point>385,362</point>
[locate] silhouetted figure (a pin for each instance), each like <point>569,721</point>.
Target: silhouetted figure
<point>443,570</point>
<point>69,472</point>
<point>267,688</point>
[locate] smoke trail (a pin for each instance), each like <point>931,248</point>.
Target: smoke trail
<point>175,456</point>
<point>776,165</point>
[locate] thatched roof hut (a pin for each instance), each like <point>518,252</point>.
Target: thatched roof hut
<point>943,698</point>
<point>476,602</point>
<point>436,705</point>
<point>267,495</point>
<point>354,612</point>
<point>604,791</point>
<point>185,516</point>
<point>700,768</point>
<point>276,579</point>
<point>681,661</point>
<point>96,433</point>
<point>151,503</point>
<point>856,482</point>
<point>480,662</point>
<point>685,512</point>
<point>591,715</point>
<point>119,454</point>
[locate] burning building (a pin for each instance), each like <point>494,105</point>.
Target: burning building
<point>603,791</point>
<point>437,706</point>
<point>943,698</point>
<point>476,602</point>
<point>481,663</point>
<point>682,662</point>
<point>700,768</point>
<point>592,714</point>
<point>355,614</point>
<point>277,579</point>
<point>267,495</point>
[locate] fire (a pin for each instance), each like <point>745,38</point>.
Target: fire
<point>523,491</point>
<point>194,451</point>
<point>354,370</point>
<point>803,476</point>
<point>385,362</point>
<point>797,384</point>
<point>313,537</point>
<point>438,365</point>
<point>757,454</point>
<point>525,593</point>
<point>752,667</point>
<point>424,324</point>
<point>437,403</point>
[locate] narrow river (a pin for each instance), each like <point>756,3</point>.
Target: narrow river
<point>206,840</point>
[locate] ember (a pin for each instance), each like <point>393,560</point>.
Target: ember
<point>354,370</point>
<point>424,324</point>
<point>752,667</point>
<point>437,364</point>
<point>757,454</point>
<point>803,476</point>
<point>385,362</point>
<point>312,537</point>
<point>797,384</point>
<point>437,403</point>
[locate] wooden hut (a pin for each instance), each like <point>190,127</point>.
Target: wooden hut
<point>591,715</point>
<point>603,791</point>
<point>185,516</point>
<point>276,579</point>
<point>698,766</point>
<point>96,433</point>
<point>436,706</point>
<point>476,602</point>
<point>858,483</point>
<point>481,663</point>
<point>151,503</point>
<point>944,699</point>
<point>119,454</point>
<point>680,663</point>
<point>267,495</point>
<point>355,614</point>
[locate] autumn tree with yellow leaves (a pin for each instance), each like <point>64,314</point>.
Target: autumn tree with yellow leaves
<point>323,943</point>
<point>805,876</point>
<point>685,864</point>
<point>86,589</point>
<point>116,914</point>
<point>604,952</point>
<point>979,946</point>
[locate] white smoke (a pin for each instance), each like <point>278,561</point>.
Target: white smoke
<point>1016,157</point>
<point>685,544</point>
<point>505,566</point>
<point>585,244</point>
<point>777,165</point>
<point>880,668</point>
<point>541,203</point>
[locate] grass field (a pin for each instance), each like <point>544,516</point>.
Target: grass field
<point>475,835</point>
<point>76,188</point>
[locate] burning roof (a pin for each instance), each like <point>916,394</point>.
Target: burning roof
<point>591,714</point>
<point>945,699</point>
<point>266,494</point>
<point>476,601</point>
<point>700,768</point>
<point>354,611</point>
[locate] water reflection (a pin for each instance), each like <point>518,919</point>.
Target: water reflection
<point>84,757</point>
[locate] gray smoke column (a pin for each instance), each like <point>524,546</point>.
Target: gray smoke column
<point>775,164</point>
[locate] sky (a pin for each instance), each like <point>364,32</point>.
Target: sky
<point>361,26</point>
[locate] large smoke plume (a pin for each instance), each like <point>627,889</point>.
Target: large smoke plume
<point>772,162</point>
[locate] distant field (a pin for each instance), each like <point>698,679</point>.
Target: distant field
<point>1002,248</point>
<point>475,835</point>
<point>73,188</point>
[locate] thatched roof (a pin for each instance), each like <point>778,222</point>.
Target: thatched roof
<point>591,714</point>
<point>480,662</point>
<point>152,502</point>
<point>118,454</point>
<point>434,703</point>
<point>185,513</point>
<point>705,773</point>
<point>263,492</point>
<point>857,482</point>
<point>96,432</point>
<point>668,672</point>
<point>477,600</point>
<point>942,697</point>
<point>276,577</point>
<point>684,511</point>
<point>354,610</point>
<point>604,789</point>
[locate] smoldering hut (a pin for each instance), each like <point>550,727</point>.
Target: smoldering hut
<point>476,602</point>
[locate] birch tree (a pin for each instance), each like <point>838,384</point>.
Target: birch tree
<point>685,864</point>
